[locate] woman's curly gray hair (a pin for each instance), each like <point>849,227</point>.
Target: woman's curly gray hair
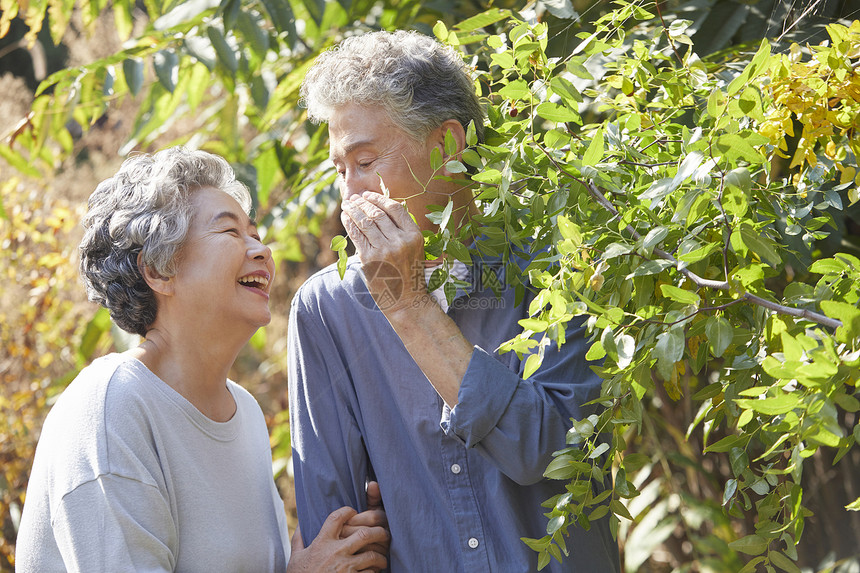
<point>418,81</point>
<point>144,210</point>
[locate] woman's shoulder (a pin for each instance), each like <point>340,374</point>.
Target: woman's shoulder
<point>73,445</point>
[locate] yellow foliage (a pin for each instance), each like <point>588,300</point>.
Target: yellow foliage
<point>39,326</point>
<point>822,94</point>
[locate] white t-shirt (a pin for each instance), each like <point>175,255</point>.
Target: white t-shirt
<point>130,476</point>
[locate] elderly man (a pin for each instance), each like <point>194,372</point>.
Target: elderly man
<point>390,383</point>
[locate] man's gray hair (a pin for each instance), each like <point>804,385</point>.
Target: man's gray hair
<point>419,82</point>
<point>145,210</point>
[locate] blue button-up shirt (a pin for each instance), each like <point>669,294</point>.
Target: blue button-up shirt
<point>460,486</point>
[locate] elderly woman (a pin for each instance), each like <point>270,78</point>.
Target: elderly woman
<point>152,459</point>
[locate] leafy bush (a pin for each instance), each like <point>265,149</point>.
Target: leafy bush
<point>654,184</point>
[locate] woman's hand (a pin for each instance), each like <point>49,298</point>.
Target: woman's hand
<point>330,552</point>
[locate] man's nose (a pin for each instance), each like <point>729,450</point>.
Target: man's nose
<point>353,184</point>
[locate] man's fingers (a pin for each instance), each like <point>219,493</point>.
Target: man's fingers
<point>374,496</point>
<point>358,237</point>
<point>367,536</point>
<point>369,518</point>
<point>396,212</point>
<point>370,215</point>
<point>370,561</point>
<point>369,220</point>
<point>335,521</point>
<point>296,542</point>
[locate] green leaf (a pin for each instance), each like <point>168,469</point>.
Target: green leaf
<point>654,237</point>
<point>735,201</point>
<point>679,294</point>
<point>782,561</point>
<point>338,243</point>
<point>847,314</point>
<point>598,451</point>
<point>720,333</point>
<point>18,162</point>
<point>729,491</point>
<point>483,20</point>
<point>620,509</point>
<point>536,544</point>
<point>688,167</point>
<point>751,545</point>
<point>533,362</point>
<point>650,268</point>
<point>739,178</point>
<point>697,255</point>
<point>459,251</point>
<point>828,267</point>
<point>554,524</point>
<point>516,90</point>
<point>668,350</point>
<point>760,245</point>
<point>534,324</point>
<point>96,327</point>
<point>594,153</point>
<point>854,505</point>
<point>566,90</point>
<point>569,230</point>
<point>166,64</point>
<point>556,112</point>
<point>771,406</point>
<point>724,445</point>
<point>282,17</point>
<point>565,467</point>
<point>341,263</point>
<point>716,103</point>
<point>132,69</point>
<point>735,146</point>
<point>580,431</point>
<point>226,54</point>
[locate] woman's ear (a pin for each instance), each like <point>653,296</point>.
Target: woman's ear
<point>157,282</point>
<point>452,130</point>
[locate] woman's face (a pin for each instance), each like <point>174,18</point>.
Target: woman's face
<point>223,269</point>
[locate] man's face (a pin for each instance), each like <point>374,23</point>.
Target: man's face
<point>366,146</point>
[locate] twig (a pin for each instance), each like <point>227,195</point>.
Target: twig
<point>666,29</point>
<point>635,164</point>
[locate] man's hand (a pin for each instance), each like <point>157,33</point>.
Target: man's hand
<point>373,517</point>
<point>330,552</point>
<point>391,248</point>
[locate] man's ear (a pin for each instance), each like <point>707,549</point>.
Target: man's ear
<point>452,132</point>
<point>157,282</point>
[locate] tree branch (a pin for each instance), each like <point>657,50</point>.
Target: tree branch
<point>601,199</point>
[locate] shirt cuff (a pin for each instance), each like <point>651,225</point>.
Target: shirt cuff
<point>485,392</point>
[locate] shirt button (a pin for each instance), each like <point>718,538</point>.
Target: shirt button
<point>455,469</point>
<point>473,543</point>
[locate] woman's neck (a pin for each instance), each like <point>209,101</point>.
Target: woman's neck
<point>197,370</point>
